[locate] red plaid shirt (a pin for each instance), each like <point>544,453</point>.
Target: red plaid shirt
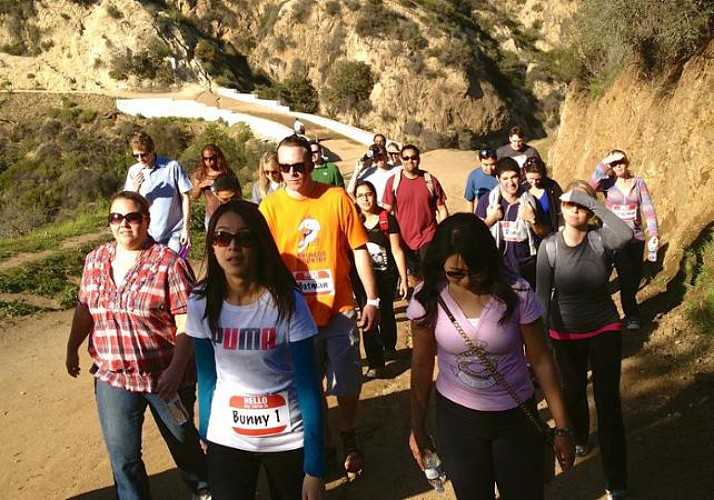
<point>133,335</point>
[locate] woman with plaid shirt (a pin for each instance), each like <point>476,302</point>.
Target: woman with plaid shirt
<point>132,305</point>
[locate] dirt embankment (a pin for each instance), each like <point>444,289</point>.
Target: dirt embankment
<point>667,129</point>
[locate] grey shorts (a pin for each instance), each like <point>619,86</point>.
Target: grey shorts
<point>337,352</point>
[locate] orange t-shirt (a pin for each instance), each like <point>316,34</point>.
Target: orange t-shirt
<point>315,237</point>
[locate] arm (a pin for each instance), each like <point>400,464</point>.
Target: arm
<point>471,206</point>
<point>423,353</point>
<point>363,264</point>
<point>186,209</point>
<point>544,277</point>
<point>310,403</point>
<point>528,214</point>
<point>541,360</point>
<point>82,324</point>
<point>648,210</point>
<point>395,243</point>
<point>170,379</point>
<point>442,212</point>
<point>352,184</point>
<point>207,376</point>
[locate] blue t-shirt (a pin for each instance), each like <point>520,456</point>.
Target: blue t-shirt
<point>163,186</point>
<point>478,183</point>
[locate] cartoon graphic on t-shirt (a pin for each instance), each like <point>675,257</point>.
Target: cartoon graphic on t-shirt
<point>471,371</point>
<point>378,253</point>
<point>309,229</point>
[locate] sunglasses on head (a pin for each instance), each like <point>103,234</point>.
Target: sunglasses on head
<point>133,218</point>
<point>298,168</point>
<point>413,158</point>
<point>487,153</point>
<point>244,239</point>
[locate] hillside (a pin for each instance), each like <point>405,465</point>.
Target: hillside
<point>444,72</point>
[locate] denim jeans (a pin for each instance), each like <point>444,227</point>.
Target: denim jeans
<point>121,416</point>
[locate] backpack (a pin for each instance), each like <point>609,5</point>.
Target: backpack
<point>427,178</point>
<point>594,239</point>
<point>384,223</point>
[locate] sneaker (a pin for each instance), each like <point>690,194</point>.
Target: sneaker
<point>204,495</point>
<point>617,495</point>
<point>354,462</point>
<point>375,373</point>
<point>632,324</point>
<point>582,450</point>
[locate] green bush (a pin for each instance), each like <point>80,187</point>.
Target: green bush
<point>349,86</point>
<point>607,34</point>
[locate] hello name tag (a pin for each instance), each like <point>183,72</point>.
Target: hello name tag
<point>509,229</point>
<point>257,416</point>
<point>625,212</point>
<point>315,282</point>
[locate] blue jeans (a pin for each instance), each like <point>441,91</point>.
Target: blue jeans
<point>121,416</point>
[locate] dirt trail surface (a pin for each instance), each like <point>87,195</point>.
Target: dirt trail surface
<point>52,445</point>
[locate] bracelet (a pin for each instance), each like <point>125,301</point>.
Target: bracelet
<point>373,302</point>
<point>567,432</point>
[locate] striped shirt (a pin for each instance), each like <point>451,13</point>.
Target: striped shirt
<point>630,206</point>
<point>133,334</point>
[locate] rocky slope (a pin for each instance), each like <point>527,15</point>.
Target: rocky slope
<point>441,66</point>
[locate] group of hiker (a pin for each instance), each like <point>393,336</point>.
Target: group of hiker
<point>511,293</point>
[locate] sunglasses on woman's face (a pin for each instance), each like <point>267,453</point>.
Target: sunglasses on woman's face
<point>572,206</point>
<point>133,218</point>
<point>459,274</point>
<point>298,168</point>
<point>244,239</point>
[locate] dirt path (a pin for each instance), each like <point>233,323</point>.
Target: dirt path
<point>69,243</point>
<point>52,446</point>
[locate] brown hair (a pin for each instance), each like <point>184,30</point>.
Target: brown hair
<point>581,185</point>
<point>138,200</point>
<point>221,163</point>
<point>268,158</point>
<point>142,140</point>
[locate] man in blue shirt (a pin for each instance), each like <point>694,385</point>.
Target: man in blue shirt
<point>165,184</point>
<point>481,180</point>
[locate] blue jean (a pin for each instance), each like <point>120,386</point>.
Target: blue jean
<point>121,416</point>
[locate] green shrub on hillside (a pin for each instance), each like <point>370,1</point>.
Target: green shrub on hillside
<point>608,34</point>
<point>349,86</point>
<point>295,91</point>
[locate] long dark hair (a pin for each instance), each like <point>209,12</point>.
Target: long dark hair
<point>371,187</point>
<point>270,270</point>
<point>468,236</point>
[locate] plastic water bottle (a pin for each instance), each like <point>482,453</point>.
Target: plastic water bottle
<point>433,471</point>
<point>652,247</point>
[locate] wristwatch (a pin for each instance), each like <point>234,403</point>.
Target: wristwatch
<point>373,302</point>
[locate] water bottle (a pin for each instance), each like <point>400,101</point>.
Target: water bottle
<point>652,247</point>
<point>433,471</point>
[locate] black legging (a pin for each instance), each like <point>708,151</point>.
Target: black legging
<point>481,449</point>
<point>629,264</point>
<point>604,352</point>
<point>383,337</point>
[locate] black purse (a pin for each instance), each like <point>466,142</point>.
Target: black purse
<point>538,423</point>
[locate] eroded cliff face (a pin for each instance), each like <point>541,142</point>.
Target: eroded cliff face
<point>667,129</point>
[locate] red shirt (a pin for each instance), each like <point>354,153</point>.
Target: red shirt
<point>415,208</point>
<point>133,335</point>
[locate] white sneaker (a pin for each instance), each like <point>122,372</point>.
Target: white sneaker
<point>617,495</point>
<point>201,496</point>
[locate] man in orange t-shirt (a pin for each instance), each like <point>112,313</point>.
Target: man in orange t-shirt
<point>316,227</point>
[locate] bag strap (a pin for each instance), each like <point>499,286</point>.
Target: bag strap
<point>480,353</point>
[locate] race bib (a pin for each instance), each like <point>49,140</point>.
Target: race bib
<point>315,282</point>
<point>625,212</point>
<point>257,416</point>
<point>509,230</point>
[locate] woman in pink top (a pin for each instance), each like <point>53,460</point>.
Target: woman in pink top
<point>484,438</point>
<point>628,197</point>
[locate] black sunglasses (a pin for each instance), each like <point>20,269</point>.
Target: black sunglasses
<point>244,239</point>
<point>133,218</point>
<point>488,153</point>
<point>209,158</point>
<point>407,158</point>
<point>459,274</point>
<point>298,168</point>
